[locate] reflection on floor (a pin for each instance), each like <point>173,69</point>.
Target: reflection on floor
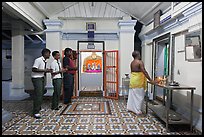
<point>120,121</point>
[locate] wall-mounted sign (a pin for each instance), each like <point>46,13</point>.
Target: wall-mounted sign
<point>90,26</point>
<point>90,46</point>
<point>90,34</point>
<point>193,46</point>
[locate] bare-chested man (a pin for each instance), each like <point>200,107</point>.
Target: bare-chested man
<point>137,84</point>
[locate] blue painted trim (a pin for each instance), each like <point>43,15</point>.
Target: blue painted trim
<point>84,36</point>
<point>183,18</point>
<point>165,19</point>
<point>193,8</point>
<point>83,31</point>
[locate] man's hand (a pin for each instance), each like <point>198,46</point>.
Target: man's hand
<point>63,70</point>
<point>153,82</point>
<point>48,70</point>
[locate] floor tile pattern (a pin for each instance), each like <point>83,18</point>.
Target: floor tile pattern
<point>119,122</point>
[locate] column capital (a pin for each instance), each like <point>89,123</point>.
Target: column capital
<point>127,26</point>
<point>49,22</point>
<point>53,25</point>
<point>127,22</point>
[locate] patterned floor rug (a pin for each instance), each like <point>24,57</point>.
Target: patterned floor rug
<point>87,108</point>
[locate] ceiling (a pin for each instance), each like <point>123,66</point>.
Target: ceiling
<point>141,11</point>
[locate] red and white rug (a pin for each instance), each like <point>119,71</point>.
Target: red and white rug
<point>89,108</point>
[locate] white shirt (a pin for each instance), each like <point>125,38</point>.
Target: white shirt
<point>55,67</point>
<point>39,64</point>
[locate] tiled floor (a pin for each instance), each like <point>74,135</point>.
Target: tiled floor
<point>120,121</point>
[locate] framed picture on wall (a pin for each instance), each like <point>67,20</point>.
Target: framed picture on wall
<point>193,46</point>
<point>90,26</point>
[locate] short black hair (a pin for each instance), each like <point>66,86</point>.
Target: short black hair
<point>45,50</point>
<point>135,54</point>
<point>67,50</point>
<point>74,51</point>
<point>54,53</point>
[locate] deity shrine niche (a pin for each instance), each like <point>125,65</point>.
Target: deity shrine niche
<point>92,63</point>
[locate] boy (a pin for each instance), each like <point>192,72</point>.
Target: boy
<point>56,79</point>
<point>38,75</point>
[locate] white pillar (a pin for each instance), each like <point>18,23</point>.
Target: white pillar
<point>17,87</point>
<point>53,42</point>
<point>126,46</point>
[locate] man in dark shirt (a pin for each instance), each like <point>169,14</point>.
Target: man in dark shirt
<point>68,77</point>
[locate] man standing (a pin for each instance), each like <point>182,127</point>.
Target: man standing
<point>39,71</point>
<point>137,84</point>
<point>56,79</point>
<point>68,76</point>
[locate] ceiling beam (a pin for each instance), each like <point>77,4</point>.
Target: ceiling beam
<point>37,4</point>
<point>65,8</point>
<point>150,10</point>
<point>33,32</point>
<point>9,37</point>
<point>29,38</point>
<point>124,11</point>
<point>40,38</point>
<point>19,10</point>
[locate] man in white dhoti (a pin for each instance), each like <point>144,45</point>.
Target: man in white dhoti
<point>137,84</point>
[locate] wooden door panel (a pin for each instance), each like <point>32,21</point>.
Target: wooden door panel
<point>111,74</point>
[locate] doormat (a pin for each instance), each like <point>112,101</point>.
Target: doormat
<point>87,108</point>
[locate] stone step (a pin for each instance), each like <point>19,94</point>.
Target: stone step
<point>91,93</point>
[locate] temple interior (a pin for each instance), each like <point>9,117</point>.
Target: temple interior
<point>103,36</point>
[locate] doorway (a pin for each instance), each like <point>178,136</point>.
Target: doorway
<point>90,68</point>
<point>97,69</point>
<point>90,71</point>
<point>161,63</point>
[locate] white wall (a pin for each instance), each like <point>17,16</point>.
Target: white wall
<point>147,59</point>
<point>56,41</point>
<point>30,54</point>
<point>187,73</point>
<point>104,25</point>
<point>117,35</point>
<point>125,55</point>
<point>109,44</point>
<point>190,73</point>
<point>6,65</point>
